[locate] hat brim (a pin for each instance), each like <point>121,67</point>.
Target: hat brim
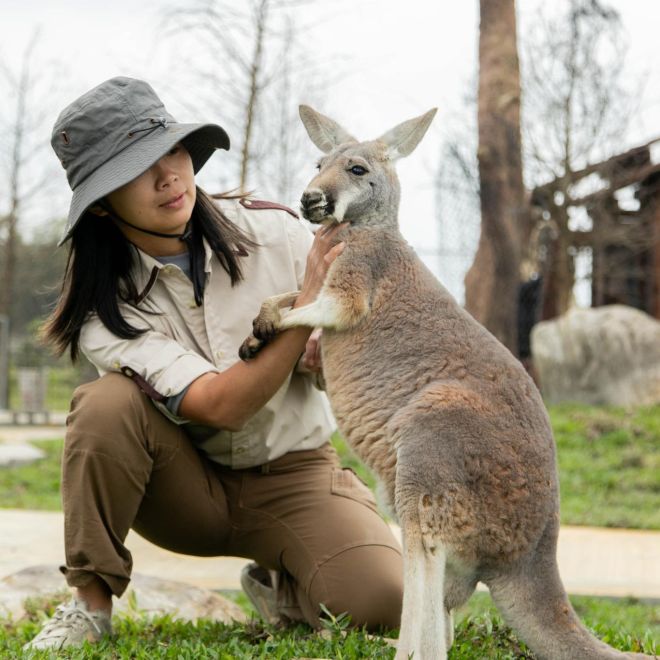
<point>201,140</point>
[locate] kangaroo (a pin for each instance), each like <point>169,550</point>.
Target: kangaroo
<point>446,417</point>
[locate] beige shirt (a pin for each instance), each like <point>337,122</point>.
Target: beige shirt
<point>184,341</point>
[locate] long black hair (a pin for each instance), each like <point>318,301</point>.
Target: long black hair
<point>98,271</point>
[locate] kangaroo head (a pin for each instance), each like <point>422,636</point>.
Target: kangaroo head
<point>357,182</point>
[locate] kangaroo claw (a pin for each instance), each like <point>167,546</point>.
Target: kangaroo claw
<point>250,347</point>
<point>263,328</point>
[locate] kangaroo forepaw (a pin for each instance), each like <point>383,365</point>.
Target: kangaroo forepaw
<point>250,347</point>
<point>264,328</point>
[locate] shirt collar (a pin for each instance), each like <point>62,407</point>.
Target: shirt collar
<point>146,270</point>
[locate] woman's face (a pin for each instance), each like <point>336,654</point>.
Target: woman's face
<point>161,199</point>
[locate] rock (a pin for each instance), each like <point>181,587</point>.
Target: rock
<point>151,596</point>
<point>604,355</point>
<point>13,455</point>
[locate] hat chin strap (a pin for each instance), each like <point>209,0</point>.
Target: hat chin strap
<point>111,212</point>
<point>181,237</point>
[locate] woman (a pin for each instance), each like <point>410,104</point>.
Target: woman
<point>198,452</point>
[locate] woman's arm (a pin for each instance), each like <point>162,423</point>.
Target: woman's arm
<point>230,398</point>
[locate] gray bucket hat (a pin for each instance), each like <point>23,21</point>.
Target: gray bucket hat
<point>114,133</point>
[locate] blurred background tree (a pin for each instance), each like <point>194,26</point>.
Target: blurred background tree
<point>577,103</point>
<point>252,63</point>
<point>578,110</point>
<point>252,66</point>
<point>491,284</point>
<point>24,168</point>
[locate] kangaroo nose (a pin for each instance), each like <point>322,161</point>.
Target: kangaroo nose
<point>311,198</point>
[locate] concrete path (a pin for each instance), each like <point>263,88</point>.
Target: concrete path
<point>18,435</point>
<point>28,538</point>
<point>602,562</point>
<point>593,561</point>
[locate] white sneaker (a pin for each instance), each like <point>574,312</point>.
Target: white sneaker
<point>257,584</point>
<point>273,595</point>
<point>71,625</point>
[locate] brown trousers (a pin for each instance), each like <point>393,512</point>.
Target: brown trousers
<point>126,466</point>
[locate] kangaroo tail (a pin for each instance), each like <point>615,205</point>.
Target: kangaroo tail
<point>532,600</point>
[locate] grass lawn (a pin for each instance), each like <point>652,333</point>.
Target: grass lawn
<point>609,466</point>
<point>609,462</point>
<point>480,633</point>
<point>36,485</point>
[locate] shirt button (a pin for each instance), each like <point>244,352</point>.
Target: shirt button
<point>219,354</point>
<point>192,304</point>
<point>116,365</point>
<point>169,268</point>
<point>239,450</point>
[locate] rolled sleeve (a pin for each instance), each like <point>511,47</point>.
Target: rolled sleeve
<point>166,366</point>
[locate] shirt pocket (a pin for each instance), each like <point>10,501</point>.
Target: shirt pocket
<point>346,483</point>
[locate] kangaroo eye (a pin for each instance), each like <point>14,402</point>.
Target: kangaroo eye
<point>318,166</point>
<point>358,170</point>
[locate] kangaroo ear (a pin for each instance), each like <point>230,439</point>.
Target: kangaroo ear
<point>403,139</point>
<point>324,132</point>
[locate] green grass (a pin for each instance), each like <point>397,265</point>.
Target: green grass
<point>36,485</point>
<point>609,465</point>
<point>627,625</point>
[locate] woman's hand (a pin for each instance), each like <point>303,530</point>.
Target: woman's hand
<point>322,253</point>
<point>311,359</point>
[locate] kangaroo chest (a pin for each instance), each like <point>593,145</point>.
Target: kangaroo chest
<point>362,390</point>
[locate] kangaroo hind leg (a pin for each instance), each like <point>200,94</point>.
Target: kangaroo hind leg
<point>432,504</point>
<point>423,631</point>
<point>532,600</point>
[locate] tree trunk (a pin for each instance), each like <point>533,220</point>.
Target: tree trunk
<point>9,266</point>
<point>253,97</point>
<point>11,220</point>
<point>559,276</point>
<point>491,284</point>
<point>17,162</point>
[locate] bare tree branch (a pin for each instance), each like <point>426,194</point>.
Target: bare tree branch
<point>250,63</point>
<point>577,103</point>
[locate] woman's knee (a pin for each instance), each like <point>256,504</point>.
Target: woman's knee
<point>105,410</point>
<point>365,581</point>
<point>108,394</point>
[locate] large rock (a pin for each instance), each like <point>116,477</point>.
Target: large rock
<point>12,455</point>
<point>605,355</point>
<point>151,596</point>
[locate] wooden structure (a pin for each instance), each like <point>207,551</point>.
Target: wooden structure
<point>621,231</point>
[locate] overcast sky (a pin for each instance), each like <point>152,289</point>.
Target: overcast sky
<point>405,57</point>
